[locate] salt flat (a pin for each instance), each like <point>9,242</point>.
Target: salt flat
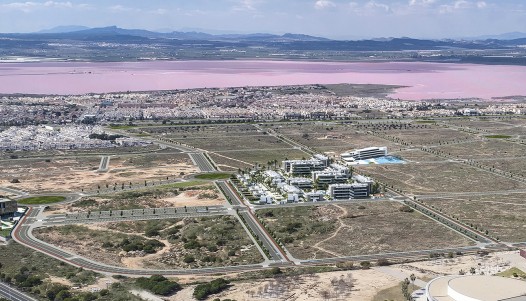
<point>422,80</point>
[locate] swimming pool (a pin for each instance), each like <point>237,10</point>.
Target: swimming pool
<point>389,160</point>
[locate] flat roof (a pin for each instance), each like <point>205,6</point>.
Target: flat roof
<point>480,287</point>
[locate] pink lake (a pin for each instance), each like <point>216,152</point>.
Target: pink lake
<point>424,80</point>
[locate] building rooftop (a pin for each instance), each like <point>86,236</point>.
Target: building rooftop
<point>476,288</point>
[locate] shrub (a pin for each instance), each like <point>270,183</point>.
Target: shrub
<point>158,285</point>
<point>202,291</point>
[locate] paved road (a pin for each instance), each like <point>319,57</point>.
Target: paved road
<point>104,164</point>
<point>13,294</point>
<point>22,234</point>
<point>227,191</point>
<point>13,191</point>
<point>257,229</point>
<point>202,162</point>
<point>403,255</point>
<point>251,221</point>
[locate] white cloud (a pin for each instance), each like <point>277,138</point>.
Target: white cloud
<point>323,4</point>
<point>460,5</point>
<point>246,5</point>
<point>373,5</point>
<point>30,5</point>
<point>481,4</point>
<point>421,2</point>
<point>121,8</point>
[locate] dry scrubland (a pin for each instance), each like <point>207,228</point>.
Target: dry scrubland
<point>166,244</point>
<point>74,174</point>
<point>354,229</point>
<point>487,149</point>
<point>440,177</point>
<point>194,193</point>
<point>432,135</point>
<point>504,216</point>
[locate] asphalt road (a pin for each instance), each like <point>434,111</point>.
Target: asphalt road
<point>12,294</point>
<point>229,193</point>
<point>104,164</point>
<point>202,162</point>
<point>22,234</point>
<point>275,253</point>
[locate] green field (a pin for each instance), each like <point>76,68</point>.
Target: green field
<point>41,200</point>
<point>498,136</point>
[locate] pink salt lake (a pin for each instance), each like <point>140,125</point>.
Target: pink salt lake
<point>423,80</point>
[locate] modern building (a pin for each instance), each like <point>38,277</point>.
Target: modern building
<point>348,191</point>
<point>329,177</point>
<point>302,183</point>
<point>315,196</point>
<point>302,167</point>
<point>475,288</point>
<point>8,207</point>
<point>364,180</point>
<point>364,153</point>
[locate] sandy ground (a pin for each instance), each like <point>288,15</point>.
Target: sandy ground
<point>71,177</point>
<point>365,284</point>
<point>195,198</point>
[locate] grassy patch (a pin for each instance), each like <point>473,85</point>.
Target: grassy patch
<point>5,232</point>
<point>213,176</point>
<point>512,272</point>
<point>40,200</point>
<point>392,293</point>
<point>121,127</point>
<point>498,137</point>
<point>426,121</point>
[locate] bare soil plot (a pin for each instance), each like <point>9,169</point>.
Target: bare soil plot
<point>428,178</point>
<point>198,194</point>
<point>516,165</point>
<point>342,142</point>
<point>74,174</point>
<point>222,143</point>
<point>354,229</point>
<point>428,136</point>
<point>199,131</point>
<point>226,163</point>
<point>79,152</point>
<point>263,156</point>
<point>416,156</point>
<point>504,216</point>
<point>489,148</point>
<point>166,244</point>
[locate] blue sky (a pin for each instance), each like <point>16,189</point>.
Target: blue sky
<point>345,19</point>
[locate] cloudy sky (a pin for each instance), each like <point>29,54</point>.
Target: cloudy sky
<point>344,19</point>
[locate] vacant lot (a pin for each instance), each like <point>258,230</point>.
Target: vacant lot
<point>427,178</point>
<point>166,244</point>
<point>264,156</point>
<point>226,163</point>
<point>428,136</point>
<point>354,229</point>
<point>226,143</point>
<point>504,216</point>
<point>202,131</point>
<point>41,200</point>
<point>196,193</point>
<point>75,174</point>
<point>490,148</point>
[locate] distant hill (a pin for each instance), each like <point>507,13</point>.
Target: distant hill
<point>64,29</point>
<point>84,32</point>
<point>505,36</point>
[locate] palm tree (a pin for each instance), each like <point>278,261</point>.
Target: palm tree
<point>413,278</point>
